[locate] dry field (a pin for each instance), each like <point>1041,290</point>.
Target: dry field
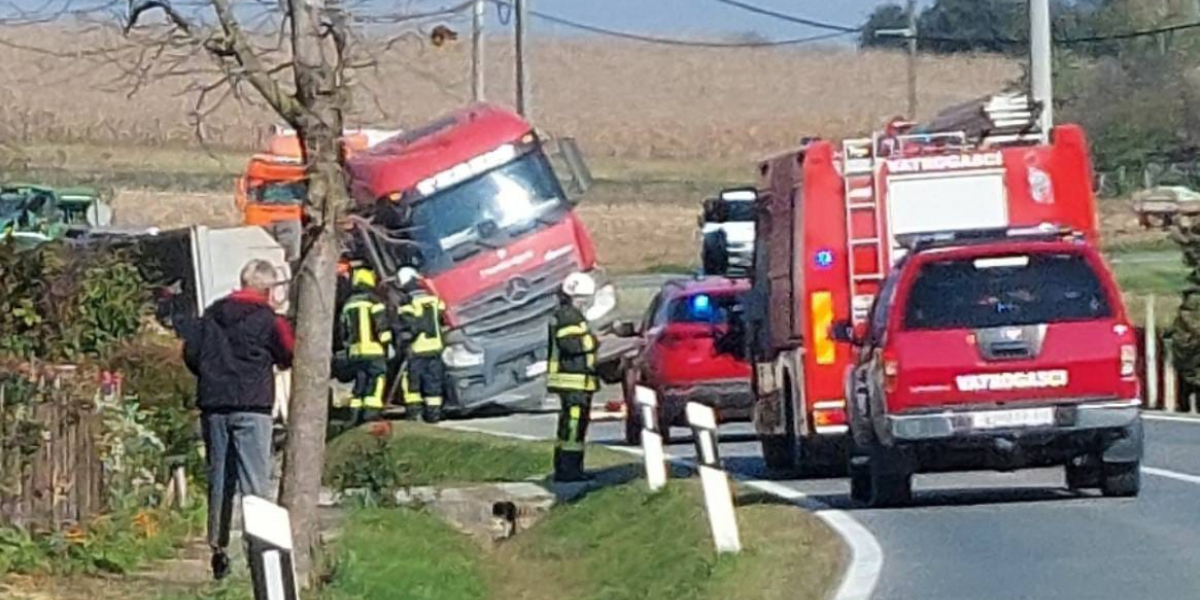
<point>621,99</point>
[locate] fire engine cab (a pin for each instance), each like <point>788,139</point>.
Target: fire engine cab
<point>834,219</point>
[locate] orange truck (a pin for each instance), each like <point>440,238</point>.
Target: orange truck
<point>272,191</point>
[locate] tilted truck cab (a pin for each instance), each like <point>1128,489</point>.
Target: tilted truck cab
<point>832,221</point>
<point>472,200</point>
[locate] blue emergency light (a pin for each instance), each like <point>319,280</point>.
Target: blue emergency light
<point>824,259</point>
<point>701,305</point>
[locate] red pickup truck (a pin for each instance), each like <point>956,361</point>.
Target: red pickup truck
<point>994,350</point>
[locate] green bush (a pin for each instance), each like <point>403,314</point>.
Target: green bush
<point>64,303</point>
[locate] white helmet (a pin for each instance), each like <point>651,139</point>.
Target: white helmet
<point>579,284</point>
<point>406,275</point>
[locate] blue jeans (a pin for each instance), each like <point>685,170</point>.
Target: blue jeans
<point>238,449</point>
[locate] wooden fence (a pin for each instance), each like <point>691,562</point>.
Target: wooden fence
<point>50,461</point>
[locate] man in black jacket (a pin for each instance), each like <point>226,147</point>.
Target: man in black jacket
<point>233,352</point>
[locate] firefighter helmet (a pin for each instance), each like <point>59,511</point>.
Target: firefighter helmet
<point>406,275</point>
<point>579,284</point>
<point>363,278</point>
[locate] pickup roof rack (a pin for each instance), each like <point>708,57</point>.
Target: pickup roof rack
<point>918,242</point>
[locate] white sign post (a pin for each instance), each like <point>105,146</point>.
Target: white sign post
<point>652,441</point>
<point>268,530</point>
<point>718,497</point>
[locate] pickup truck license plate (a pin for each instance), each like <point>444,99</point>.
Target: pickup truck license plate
<point>1003,419</point>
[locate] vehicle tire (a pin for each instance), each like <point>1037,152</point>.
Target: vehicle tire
<point>860,479</point>
<point>633,416</point>
<point>890,479</point>
<point>1082,476</point>
<point>1121,480</point>
<point>633,426</point>
<point>779,452</point>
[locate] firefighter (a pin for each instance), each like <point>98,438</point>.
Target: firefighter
<point>367,335</point>
<point>572,375</point>
<point>423,375</point>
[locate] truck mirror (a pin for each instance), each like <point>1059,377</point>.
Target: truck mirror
<point>624,329</point>
<point>847,332</point>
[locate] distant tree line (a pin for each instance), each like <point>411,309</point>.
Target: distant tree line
<point>1138,97</point>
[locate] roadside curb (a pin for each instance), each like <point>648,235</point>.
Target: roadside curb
<point>865,564</point>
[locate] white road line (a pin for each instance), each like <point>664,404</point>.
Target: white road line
<point>866,556</point>
<point>1171,475</point>
<point>1171,418</point>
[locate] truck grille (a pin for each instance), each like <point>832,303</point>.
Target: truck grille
<point>522,302</point>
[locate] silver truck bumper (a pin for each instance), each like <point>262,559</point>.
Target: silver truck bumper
<point>1068,418</point>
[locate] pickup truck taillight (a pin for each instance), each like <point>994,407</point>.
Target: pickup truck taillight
<point>891,372</point>
<point>1128,360</point>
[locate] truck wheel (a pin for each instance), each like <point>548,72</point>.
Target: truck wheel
<point>779,452</point>
<point>1084,475</point>
<point>860,479</point>
<point>890,479</point>
<point>1121,480</point>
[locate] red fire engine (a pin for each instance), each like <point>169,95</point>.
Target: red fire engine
<point>471,200</point>
<point>832,220</point>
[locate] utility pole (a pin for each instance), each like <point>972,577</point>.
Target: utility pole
<point>477,51</point>
<point>522,50</point>
<point>912,60</point>
<point>1041,61</point>
<point>910,33</point>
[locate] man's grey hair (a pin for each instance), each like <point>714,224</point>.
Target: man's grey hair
<point>259,275</point>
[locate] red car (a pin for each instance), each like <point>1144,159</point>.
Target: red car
<point>678,357</point>
<point>995,354</point>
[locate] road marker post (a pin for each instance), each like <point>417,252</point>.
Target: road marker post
<point>268,530</point>
<point>718,497</point>
<point>1170,381</point>
<point>1152,400</point>
<point>652,441</point>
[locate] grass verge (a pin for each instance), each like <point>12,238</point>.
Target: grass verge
<point>617,543</point>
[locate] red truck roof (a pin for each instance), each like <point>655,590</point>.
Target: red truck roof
<point>399,163</point>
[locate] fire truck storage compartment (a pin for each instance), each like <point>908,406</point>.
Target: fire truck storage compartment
<point>946,202</point>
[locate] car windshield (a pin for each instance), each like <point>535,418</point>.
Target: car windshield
<point>1005,291</point>
<point>712,309</point>
<point>731,212</point>
<point>487,211</point>
<point>282,193</point>
<point>11,205</point>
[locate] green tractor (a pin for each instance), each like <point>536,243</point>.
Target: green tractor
<point>33,214</point>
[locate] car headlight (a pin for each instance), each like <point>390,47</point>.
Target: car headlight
<point>602,303</point>
<point>460,356</point>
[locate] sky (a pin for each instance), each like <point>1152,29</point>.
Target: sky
<point>697,18</point>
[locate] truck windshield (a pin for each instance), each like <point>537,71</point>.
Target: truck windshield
<point>487,211</point>
<point>1004,292</point>
<point>282,193</point>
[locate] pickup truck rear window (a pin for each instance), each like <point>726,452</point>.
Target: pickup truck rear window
<point>1020,290</point>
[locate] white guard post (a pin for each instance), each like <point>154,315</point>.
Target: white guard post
<point>718,498</point>
<point>652,442</point>
<point>268,530</point>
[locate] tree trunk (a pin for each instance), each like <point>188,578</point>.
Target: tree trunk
<point>319,126</point>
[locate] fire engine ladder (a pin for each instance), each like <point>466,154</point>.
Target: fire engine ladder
<point>865,234</point>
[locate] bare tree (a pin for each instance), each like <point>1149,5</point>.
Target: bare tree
<point>313,101</point>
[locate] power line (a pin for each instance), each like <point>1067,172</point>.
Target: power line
<point>649,39</point>
<point>1128,35</point>
<point>789,18</point>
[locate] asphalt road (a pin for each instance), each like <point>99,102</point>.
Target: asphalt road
<point>1002,536</point>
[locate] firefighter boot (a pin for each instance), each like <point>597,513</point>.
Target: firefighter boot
<point>569,467</point>
<point>412,411</point>
<point>432,413</point>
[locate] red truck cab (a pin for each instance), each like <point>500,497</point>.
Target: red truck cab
<point>999,350</point>
<point>471,200</point>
